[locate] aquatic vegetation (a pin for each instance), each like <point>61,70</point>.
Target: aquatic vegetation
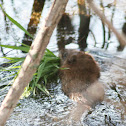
<point>46,72</point>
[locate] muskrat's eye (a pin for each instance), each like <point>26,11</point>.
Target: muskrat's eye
<point>72,59</point>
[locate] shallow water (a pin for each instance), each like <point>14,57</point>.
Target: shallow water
<point>55,110</point>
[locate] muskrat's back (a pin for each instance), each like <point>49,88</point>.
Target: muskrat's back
<point>80,77</point>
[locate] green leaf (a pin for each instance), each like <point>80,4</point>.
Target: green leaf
<point>43,88</point>
<point>48,52</point>
<point>26,49</point>
<point>15,59</point>
<point>65,68</point>
<point>14,62</point>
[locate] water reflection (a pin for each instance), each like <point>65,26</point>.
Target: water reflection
<point>84,14</point>
<point>85,30</point>
<point>121,47</point>
<point>124,28</point>
<point>34,20</point>
<point>65,31</point>
<point>113,7</point>
<point>106,31</point>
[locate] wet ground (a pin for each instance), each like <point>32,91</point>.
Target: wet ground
<point>54,111</point>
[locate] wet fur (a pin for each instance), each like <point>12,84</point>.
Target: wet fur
<point>80,77</point>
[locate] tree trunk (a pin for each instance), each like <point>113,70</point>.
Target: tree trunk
<point>32,60</point>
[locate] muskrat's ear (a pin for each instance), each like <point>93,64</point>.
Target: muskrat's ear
<point>72,59</point>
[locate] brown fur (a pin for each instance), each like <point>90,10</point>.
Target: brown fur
<point>80,77</point>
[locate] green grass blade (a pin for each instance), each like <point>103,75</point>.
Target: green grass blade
<point>48,52</point>
<point>7,77</point>
<point>16,23</point>
<point>26,49</point>
<point>42,88</point>
<point>16,59</point>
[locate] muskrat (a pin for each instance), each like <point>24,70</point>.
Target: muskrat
<point>79,76</point>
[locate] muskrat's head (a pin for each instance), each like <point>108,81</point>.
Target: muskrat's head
<point>80,62</point>
<point>68,55</point>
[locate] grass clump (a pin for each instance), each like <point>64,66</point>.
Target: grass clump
<point>46,72</point>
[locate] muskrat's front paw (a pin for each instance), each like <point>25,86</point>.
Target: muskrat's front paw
<point>77,97</point>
